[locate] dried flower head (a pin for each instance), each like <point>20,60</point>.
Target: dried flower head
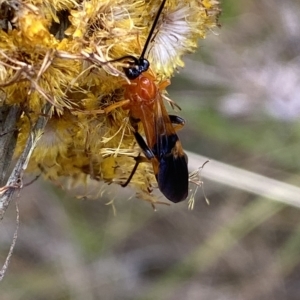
<point>53,65</point>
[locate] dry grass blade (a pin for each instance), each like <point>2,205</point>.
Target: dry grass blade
<point>247,181</point>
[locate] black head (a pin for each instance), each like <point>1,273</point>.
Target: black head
<point>141,64</point>
<point>138,67</point>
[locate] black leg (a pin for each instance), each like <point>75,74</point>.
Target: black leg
<point>177,120</point>
<point>144,147</point>
<point>137,162</point>
<point>147,152</point>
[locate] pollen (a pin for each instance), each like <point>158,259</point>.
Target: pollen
<point>57,63</point>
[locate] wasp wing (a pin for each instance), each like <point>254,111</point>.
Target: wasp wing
<point>172,175</point>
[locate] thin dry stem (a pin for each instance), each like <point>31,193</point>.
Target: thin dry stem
<point>12,246</point>
<point>15,180</point>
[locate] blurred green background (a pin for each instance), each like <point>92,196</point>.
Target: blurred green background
<point>240,95</point>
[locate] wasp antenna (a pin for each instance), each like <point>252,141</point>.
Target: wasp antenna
<point>152,29</point>
<point>135,60</point>
<point>140,64</point>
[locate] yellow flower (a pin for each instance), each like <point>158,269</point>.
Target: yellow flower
<point>55,52</point>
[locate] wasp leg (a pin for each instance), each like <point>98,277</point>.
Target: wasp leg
<point>147,152</point>
<point>178,121</point>
<point>145,148</point>
<point>137,162</point>
<point>111,107</point>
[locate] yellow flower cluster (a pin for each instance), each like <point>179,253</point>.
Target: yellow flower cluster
<point>54,51</point>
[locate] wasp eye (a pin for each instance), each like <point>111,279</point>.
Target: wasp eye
<point>132,73</point>
<point>140,66</point>
<point>143,65</point>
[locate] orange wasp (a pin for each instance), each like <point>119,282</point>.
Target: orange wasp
<point>162,146</point>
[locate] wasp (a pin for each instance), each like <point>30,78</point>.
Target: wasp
<point>162,146</point>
